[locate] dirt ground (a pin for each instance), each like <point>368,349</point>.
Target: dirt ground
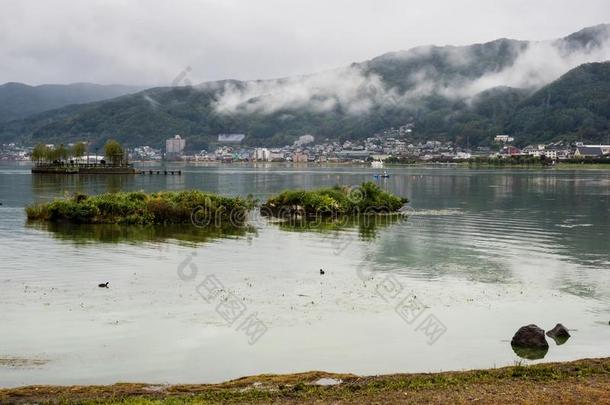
<point>583,382</point>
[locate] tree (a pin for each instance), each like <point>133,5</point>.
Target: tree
<point>79,149</point>
<point>40,152</point>
<point>113,151</point>
<point>52,154</point>
<point>62,152</point>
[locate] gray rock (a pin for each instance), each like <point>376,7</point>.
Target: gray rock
<point>530,336</point>
<point>559,334</point>
<point>558,331</point>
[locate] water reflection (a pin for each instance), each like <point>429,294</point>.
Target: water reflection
<point>368,229</point>
<point>530,353</point>
<point>368,226</point>
<point>42,184</point>
<point>113,233</point>
<point>559,340</point>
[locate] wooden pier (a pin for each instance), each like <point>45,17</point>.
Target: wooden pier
<point>163,172</point>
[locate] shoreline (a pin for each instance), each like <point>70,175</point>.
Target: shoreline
<point>582,381</point>
<point>146,165</point>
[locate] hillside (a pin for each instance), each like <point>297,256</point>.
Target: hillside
<point>574,107</point>
<point>527,89</point>
<point>19,100</point>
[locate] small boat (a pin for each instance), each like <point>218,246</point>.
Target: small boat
<point>385,175</point>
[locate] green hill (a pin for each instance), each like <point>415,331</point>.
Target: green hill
<point>454,93</point>
<point>574,107</point>
<point>19,100</point>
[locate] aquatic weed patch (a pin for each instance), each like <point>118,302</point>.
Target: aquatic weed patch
<point>166,207</point>
<point>368,198</point>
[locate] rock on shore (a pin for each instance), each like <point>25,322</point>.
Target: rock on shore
<point>530,336</point>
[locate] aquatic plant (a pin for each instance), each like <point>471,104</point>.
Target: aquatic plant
<point>368,198</point>
<point>167,207</point>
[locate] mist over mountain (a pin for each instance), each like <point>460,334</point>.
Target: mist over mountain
<point>454,93</point>
<point>576,106</point>
<point>18,100</point>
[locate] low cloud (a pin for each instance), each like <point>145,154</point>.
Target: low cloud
<point>540,64</point>
<point>350,89</point>
<point>356,90</point>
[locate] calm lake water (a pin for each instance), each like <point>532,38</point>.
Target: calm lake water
<point>482,253</point>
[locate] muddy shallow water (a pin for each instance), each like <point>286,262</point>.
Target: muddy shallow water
<point>482,253</point>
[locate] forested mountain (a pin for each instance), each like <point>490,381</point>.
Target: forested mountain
<point>535,91</point>
<point>18,100</point>
<point>575,107</point>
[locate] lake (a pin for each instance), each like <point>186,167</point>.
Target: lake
<point>481,253</point>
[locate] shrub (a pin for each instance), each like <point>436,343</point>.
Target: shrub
<point>367,198</point>
<point>141,208</point>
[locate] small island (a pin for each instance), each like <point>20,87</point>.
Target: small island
<point>368,198</point>
<point>138,208</point>
<point>58,159</point>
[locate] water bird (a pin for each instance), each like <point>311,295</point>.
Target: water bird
<point>322,272</point>
<point>103,285</point>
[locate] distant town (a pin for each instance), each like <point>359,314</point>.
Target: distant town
<point>391,145</point>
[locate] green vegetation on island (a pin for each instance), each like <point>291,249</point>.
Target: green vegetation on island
<point>211,210</point>
<point>139,208</point>
<point>113,152</point>
<point>368,198</point>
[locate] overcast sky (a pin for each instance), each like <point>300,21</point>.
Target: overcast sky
<point>150,42</point>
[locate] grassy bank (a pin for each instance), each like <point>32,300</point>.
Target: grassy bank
<point>582,381</point>
<point>144,209</point>
<point>368,198</point>
<point>583,166</point>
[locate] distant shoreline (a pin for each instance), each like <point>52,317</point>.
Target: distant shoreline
<point>141,164</point>
<point>584,381</point>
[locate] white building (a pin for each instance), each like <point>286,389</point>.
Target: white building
<point>231,138</point>
<point>462,155</point>
<point>262,154</point>
<point>174,147</point>
<point>276,155</point>
<point>503,138</point>
<point>535,151</point>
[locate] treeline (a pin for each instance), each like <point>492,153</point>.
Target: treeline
<point>510,160</point>
<point>535,160</point>
<point>113,151</point>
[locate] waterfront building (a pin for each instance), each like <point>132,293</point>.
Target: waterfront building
<point>231,138</point>
<point>503,138</point>
<point>262,154</point>
<point>300,157</point>
<point>174,147</point>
